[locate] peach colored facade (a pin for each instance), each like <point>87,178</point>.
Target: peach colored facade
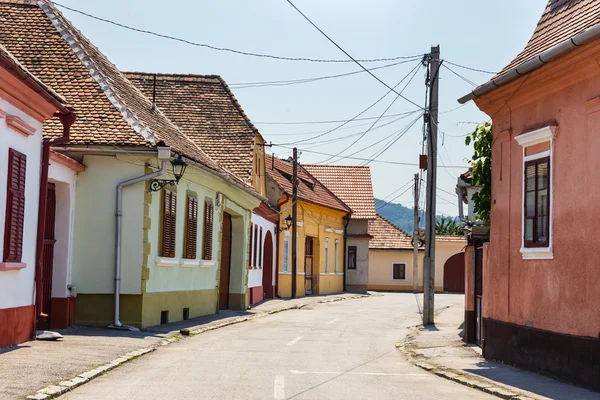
<point>556,290</point>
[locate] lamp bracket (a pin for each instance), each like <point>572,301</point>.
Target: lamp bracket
<point>157,184</point>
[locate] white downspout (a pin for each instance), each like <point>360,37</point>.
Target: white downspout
<point>164,155</point>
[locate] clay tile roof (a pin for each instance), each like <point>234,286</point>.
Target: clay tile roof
<point>110,109</point>
<point>11,62</point>
<point>352,184</point>
<point>450,238</point>
<point>309,188</point>
<point>561,20</point>
<point>387,236</point>
<point>206,110</point>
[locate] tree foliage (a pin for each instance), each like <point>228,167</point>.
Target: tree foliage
<point>448,226</point>
<point>481,162</point>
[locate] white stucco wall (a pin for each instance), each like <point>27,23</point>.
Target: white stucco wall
<point>64,179</point>
<point>95,225</point>
<point>255,276</point>
<point>17,287</point>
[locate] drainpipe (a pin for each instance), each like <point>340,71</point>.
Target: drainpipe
<point>346,222</point>
<point>67,118</point>
<point>164,155</point>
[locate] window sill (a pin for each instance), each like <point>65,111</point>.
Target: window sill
<point>537,253</point>
<point>207,263</point>
<point>167,262</point>
<point>189,263</point>
<point>12,266</point>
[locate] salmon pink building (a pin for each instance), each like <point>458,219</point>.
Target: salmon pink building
<point>540,272</point>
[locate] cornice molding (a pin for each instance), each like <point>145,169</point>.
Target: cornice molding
<point>18,125</point>
<point>537,136</point>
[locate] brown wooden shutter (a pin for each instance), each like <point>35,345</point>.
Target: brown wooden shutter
<point>15,206</point>
<point>169,223</point>
<point>208,231</point>
<point>191,228</point>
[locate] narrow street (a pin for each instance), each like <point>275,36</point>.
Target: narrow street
<point>341,350</point>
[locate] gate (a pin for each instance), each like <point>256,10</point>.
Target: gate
<point>454,274</point>
<point>48,257</point>
<point>478,293</point>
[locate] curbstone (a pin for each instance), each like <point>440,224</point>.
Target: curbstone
<point>73,383</point>
<point>39,396</point>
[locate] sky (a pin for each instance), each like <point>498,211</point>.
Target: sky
<point>475,33</point>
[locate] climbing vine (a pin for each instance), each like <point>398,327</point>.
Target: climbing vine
<point>481,138</point>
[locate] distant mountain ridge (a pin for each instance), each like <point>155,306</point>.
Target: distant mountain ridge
<point>399,215</point>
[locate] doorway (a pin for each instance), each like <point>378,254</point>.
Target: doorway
<point>48,258</point>
<point>267,280</point>
<point>454,274</point>
<point>225,262</point>
<point>308,265</point>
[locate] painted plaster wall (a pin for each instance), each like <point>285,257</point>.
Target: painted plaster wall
<point>65,182</point>
<point>95,225</point>
<point>443,251</point>
<point>238,277</point>
<point>358,277</point>
<point>255,275</point>
<point>16,287</point>
<point>560,294</point>
<point>320,223</point>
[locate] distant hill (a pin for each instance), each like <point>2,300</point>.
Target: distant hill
<point>399,215</point>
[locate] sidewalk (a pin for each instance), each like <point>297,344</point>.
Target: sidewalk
<point>440,349</point>
<point>87,352</point>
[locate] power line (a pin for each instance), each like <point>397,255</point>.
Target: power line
<point>390,202</point>
<point>460,76</point>
<point>245,53</point>
<point>470,69</point>
<point>349,56</point>
<point>397,190</point>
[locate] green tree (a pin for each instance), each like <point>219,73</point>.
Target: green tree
<point>481,162</point>
<point>447,226</point>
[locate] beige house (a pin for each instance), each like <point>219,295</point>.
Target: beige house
<point>391,259</point>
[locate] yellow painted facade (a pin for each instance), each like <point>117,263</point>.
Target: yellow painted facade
<point>325,226</point>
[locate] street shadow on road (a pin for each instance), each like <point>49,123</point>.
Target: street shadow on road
<point>430,328</point>
<point>531,382</point>
<point>13,348</point>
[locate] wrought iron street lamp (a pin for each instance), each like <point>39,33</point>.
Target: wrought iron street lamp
<point>179,166</point>
<point>288,222</point>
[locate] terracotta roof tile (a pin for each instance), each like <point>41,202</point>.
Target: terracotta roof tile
<point>309,188</point>
<point>110,109</point>
<point>351,184</point>
<point>387,236</point>
<point>561,20</point>
<point>450,238</point>
<point>206,110</point>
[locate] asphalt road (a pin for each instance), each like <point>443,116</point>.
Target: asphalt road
<point>341,350</point>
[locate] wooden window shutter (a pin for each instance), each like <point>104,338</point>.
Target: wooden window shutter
<point>254,264</point>
<point>260,249</point>
<point>251,242</point>
<point>208,231</point>
<point>169,223</point>
<point>191,228</point>
<point>15,206</point>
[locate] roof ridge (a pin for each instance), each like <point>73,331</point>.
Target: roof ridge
<point>326,188</point>
<point>337,166</point>
<point>190,77</point>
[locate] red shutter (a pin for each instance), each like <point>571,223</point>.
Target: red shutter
<point>169,223</point>
<point>208,231</point>
<point>191,230</point>
<point>15,206</point>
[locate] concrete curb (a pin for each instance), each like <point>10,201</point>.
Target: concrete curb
<point>409,349</point>
<point>56,390</point>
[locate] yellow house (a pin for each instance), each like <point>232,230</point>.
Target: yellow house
<point>391,264</point>
<point>320,232</point>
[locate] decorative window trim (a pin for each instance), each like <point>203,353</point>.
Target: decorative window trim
<point>327,255</point>
<point>542,135</point>
<point>18,125</point>
<point>207,263</point>
<point>12,266</point>
<point>336,257</point>
<point>167,262</point>
<point>286,240</point>
<point>189,263</point>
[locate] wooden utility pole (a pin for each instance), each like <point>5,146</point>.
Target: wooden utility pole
<point>416,236</point>
<point>432,119</point>
<point>294,223</point>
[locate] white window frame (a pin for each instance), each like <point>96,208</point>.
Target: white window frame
<point>405,271</point>
<point>326,255</point>
<point>286,252</point>
<point>543,135</point>
<point>336,259</point>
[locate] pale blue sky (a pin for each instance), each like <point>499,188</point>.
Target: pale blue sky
<point>478,33</point>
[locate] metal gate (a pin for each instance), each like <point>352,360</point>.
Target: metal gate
<point>48,256</point>
<point>478,293</point>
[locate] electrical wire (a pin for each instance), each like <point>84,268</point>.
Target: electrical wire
<point>460,76</point>
<point>390,202</point>
<point>471,69</point>
<point>350,57</point>
<point>225,49</point>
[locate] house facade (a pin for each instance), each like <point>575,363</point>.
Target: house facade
<point>162,248</point>
<point>540,272</point>
<point>352,185</point>
<point>391,265</point>
<point>25,104</point>
<point>320,232</point>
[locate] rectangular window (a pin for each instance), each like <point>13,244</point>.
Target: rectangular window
<point>260,248</point>
<point>286,254</point>
<point>336,249</point>
<point>15,207</point>
<point>251,243</point>
<point>536,231</point>
<point>169,223</point>
<point>326,255</point>
<point>351,257</point>
<point>399,270</point>
<point>207,240</point>
<point>255,252</point>
<point>191,228</point>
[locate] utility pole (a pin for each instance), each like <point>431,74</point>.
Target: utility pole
<point>294,223</point>
<point>432,123</point>
<point>416,237</point>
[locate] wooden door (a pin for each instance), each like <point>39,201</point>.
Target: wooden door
<point>308,264</point>
<point>48,256</point>
<point>454,274</point>
<point>268,266</point>
<point>225,262</point>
